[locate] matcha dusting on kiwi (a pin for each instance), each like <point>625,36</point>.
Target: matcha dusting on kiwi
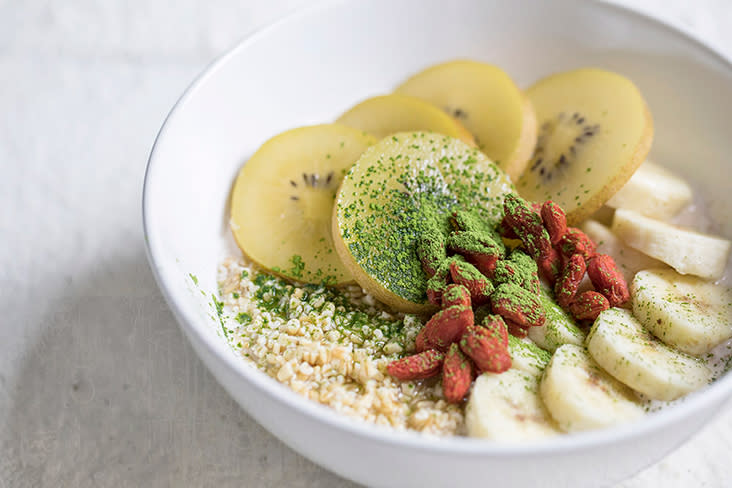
<point>405,193</point>
<point>412,217</point>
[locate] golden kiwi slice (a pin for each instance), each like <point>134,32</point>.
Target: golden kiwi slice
<point>282,201</point>
<point>387,114</point>
<point>399,189</point>
<point>594,131</point>
<point>487,102</point>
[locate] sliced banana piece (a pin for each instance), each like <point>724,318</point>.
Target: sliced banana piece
<point>625,349</point>
<point>527,356</point>
<point>629,260</point>
<point>686,251</point>
<point>688,313</point>
<point>558,329</point>
<point>506,407</point>
<point>582,396</point>
<point>653,191</point>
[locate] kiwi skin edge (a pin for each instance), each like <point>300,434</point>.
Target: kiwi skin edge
<point>525,145</point>
<point>579,214</point>
<point>367,282</point>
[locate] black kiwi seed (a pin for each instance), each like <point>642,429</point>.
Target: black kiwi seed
<point>458,113</point>
<point>560,143</point>
<point>313,180</point>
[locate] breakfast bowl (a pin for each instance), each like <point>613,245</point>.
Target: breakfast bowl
<point>312,66</point>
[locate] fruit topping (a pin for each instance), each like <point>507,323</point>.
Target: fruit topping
<point>487,102</point>
<point>594,131</point>
<point>555,221</point>
<point>581,396</point>
<point>403,185</point>
<point>446,326</point>
<point>457,375</point>
<point>685,250</point>
<point>282,201</point>
<point>685,312</point>
<point>568,283</point>
<point>518,305</point>
<point>467,275</point>
<point>456,295</point>
<point>608,280</point>
<point>574,241</point>
<point>487,345</point>
<point>653,191</point>
<point>385,115</point>
<point>527,225</point>
<point>416,367</point>
<point>588,305</point>
<point>628,351</point>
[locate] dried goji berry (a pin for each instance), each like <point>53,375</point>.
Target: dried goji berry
<point>527,225</point>
<point>568,283</point>
<point>456,294</point>
<point>608,280</point>
<point>487,345</point>
<point>519,269</point>
<point>505,230</point>
<point>457,374</point>
<point>464,273</point>
<point>555,220</point>
<point>550,266</point>
<point>574,241</point>
<point>446,326</point>
<point>518,305</point>
<point>420,342</point>
<point>479,249</point>
<point>588,305</point>
<point>416,367</point>
<point>516,330</point>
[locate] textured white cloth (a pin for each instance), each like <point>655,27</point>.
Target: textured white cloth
<point>97,385</point>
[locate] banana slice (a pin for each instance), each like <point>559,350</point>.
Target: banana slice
<point>581,396</point>
<point>626,350</point>
<point>653,191</point>
<point>506,407</point>
<point>686,251</point>
<point>527,356</point>
<point>558,329</point>
<point>629,260</point>
<point>685,312</point>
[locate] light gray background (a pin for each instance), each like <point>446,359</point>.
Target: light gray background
<point>97,385</point>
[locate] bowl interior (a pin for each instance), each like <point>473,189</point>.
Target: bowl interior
<point>312,66</point>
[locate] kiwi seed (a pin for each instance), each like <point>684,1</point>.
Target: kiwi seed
<point>560,143</point>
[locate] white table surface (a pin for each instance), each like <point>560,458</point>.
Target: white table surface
<point>98,387</point>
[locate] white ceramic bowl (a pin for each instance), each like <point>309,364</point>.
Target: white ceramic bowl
<point>310,67</point>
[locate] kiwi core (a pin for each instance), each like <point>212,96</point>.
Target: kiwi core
<point>560,142</point>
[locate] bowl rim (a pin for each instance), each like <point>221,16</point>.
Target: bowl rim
<point>218,349</point>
